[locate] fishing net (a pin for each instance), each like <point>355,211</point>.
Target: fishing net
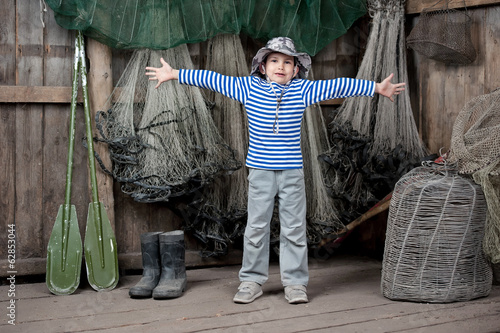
<point>433,242</point>
<point>163,142</point>
<point>475,141</point>
<point>219,217</point>
<point>374,141</point>
<point>443,34</point>
<point>312,24</point>
<point>475,146</point>
<point>322,216</point>
<point>162,24</point>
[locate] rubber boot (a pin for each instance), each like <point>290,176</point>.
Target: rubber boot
<point>150,248</point>
<point>173,268</point>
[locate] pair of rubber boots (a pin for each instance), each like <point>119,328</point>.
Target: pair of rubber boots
<point>164,268</point>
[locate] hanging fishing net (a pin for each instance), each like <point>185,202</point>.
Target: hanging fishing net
<point>435,229</point>
<point>162,142</point>
<point>443,34</point>
<point>218,217</point>
<point>475,146</point>
<point>162,24</point>
<point>322,215</point>
<point>374,141</point>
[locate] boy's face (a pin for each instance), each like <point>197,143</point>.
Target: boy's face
<point>279,67</point>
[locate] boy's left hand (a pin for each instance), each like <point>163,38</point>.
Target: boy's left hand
<point>388,89</point>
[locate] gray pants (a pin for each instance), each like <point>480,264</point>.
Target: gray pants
<point>263,186</point>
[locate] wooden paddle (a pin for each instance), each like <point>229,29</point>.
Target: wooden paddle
<point>101,255</point>
<point>64,250</point>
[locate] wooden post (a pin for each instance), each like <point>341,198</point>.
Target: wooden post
<point>100,81</point>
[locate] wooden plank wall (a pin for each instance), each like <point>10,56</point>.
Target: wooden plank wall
<point>35,57</point>
<point>34,136</point>
<point>440,91</point>
<point>34,139</point>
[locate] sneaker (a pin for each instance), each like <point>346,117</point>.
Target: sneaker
<point>247,292</point>
<point>296,294</point>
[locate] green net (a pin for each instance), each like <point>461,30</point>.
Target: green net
<point>162,24</point>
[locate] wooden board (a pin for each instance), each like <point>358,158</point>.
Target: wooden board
<point>54,94</point>
<point>37,94</point>
<point>28,174</point>
<point>491,47</point>
<point>100,87</point>
<point>417,6</point>
<point>7,124</point>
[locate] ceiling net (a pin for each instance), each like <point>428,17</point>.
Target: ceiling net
<point>162,24</point>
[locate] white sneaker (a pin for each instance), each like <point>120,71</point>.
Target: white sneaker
<point>296,294</point>
<point>247,292</point>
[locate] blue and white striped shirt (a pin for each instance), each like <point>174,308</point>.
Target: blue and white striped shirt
<point>278,149</point>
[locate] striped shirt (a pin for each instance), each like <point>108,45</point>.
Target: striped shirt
<point>274,136</point>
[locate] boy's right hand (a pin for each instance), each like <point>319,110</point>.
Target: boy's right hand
<point>162,74</point>
<point>388,89</point>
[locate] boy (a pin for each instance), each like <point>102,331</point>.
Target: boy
<point>275,97</point>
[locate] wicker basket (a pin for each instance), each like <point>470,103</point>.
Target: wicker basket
<point>444,35</point>
<point>433,250</point>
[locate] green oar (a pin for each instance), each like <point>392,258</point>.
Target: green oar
<point>64,251</point>
<point>101,256</point>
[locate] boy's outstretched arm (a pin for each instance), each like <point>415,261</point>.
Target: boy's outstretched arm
<point>162,74</point>
<point>388,89</point>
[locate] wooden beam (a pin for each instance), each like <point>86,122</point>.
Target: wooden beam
<point>100,83</point>
<point>336,101</point>
<point>40,94</point>
<point>417,6</point>
<point>46,94</point>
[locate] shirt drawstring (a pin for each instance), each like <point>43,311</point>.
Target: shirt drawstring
<point>276,125</point>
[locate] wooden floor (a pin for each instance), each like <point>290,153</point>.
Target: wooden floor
<point>344,296</point>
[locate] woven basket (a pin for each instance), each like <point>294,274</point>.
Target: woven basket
<point>444,35</point>
<point>433,250</point>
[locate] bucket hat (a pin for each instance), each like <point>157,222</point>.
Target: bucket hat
<point>286,46</point>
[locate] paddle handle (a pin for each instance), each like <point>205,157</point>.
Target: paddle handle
<point>90,147</point>
<point>66,210</point>
<point>71,136</point>
<point>88,123</point>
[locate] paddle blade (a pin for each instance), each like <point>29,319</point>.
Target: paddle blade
<point>64,253</point>
<point>101,256</point>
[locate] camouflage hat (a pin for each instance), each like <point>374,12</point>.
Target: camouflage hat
<point>286,46</point>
